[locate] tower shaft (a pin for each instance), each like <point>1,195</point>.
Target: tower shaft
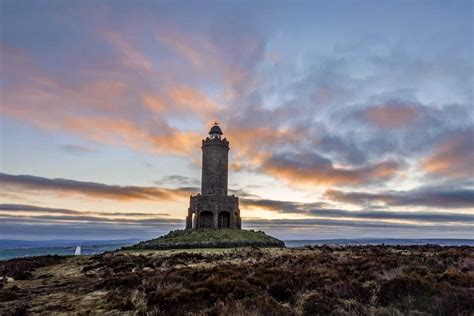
<point>215,153</point>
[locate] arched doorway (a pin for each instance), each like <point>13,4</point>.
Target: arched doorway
<point>224,220</point>
<point>206,219</point>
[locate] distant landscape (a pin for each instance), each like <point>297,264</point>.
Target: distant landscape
<point>24,248</point>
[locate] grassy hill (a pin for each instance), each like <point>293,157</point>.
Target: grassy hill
<point>209,238</point>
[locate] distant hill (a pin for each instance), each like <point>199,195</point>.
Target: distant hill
<point>16,244</point>
<point>380,241</point>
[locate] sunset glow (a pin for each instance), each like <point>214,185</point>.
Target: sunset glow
<point>331,136</point>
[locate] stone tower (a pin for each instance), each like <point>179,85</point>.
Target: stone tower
<point>213,208</point>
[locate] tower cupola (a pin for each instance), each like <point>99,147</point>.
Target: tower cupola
<point>215,131</point>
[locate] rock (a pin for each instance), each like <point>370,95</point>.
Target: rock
<point>7,279</point>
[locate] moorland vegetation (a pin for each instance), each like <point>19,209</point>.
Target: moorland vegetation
<point>352,280</point>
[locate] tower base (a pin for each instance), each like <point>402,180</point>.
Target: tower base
<point>213,211</point>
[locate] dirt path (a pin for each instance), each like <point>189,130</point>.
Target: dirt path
<point>57,287</point>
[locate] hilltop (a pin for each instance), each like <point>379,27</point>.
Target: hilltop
<point>208,238</point>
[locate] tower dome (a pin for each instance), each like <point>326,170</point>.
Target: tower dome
<point>215,131</point>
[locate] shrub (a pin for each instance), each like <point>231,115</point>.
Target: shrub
<point>408,292</point>
<point>318,304</point>
<point>280,291</point>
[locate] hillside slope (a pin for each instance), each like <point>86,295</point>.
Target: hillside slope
<point>209,238</point>
<point>352,280</point>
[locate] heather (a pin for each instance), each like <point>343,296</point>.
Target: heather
<point>350,280</point>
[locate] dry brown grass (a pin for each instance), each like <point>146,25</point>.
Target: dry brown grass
<point>356,280</point>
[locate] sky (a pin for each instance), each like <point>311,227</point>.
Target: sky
<point>346,119</point>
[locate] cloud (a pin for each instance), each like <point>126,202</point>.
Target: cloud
<point>129,55</point>
<point>159,138</point>
<point>100,107</point>
<point>38,229</point>
<point>428,197</point>
<point>99,102</point>
<point>36,222</point>
<point>453,157</point>
<point>310,229</point>
<point>348,113</point>
<point>77,149</point>
<point>400,128</point>
<point>17,183</point>
<point>88,218</point>
<point>312,168</point>
<point>180,100</point>
<point>193,100</point>
<point>47,223</point>
<point>31,208</point>
<point>146,136</point>
<point>281,206</point>
<point>318,222</point>
<point>14,208</point>
<point>322,210</point>
<point>178,181</point>
<point>344,149</point>
<point>196,50</point>
<point>391,115</point>
<point>155,103</point>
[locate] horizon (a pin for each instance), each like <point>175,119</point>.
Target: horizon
<point>328,239</point>
<point>338,129</point>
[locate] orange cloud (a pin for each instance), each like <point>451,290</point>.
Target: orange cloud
<point>130,56</point>
<point>453,157</point>
<point>40,109</point>
<point>28,183</point>
<point>197,52</point>
<point>358,198</point>
<point>438,197</point>
<point>103,105</point>
<point>233,63</point>
<point>391,115</point>
<point>182,100</point>
<point>123,132</point>
<point>101,110</point>
<point>101,94</point>
<point>252,145</point>
<point>313,169</point>
<point>191,98</point>
<point>154,103</point>
<point>255,139</point>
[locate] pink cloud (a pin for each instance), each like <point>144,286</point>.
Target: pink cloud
<point>312,169</point>
<point>391,115</point>
<point>453,157</point>
<point>28,184</point>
